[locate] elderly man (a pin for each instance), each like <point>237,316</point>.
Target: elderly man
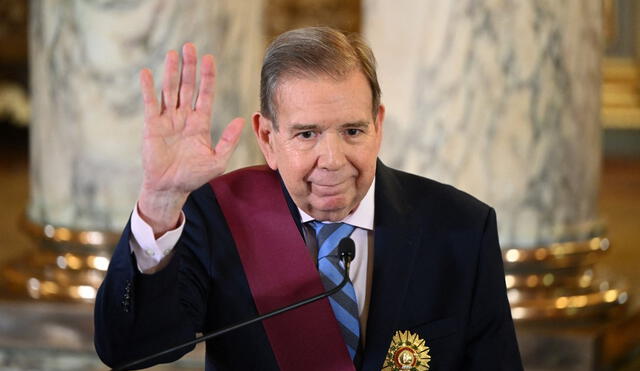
<point>203,250</point>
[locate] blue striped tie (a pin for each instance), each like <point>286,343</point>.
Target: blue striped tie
<point>343,303</point>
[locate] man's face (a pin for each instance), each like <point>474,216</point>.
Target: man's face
<point>326,144</point>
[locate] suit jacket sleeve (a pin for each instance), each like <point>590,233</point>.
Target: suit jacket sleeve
<point>138,314</point>
<point>491,341</point>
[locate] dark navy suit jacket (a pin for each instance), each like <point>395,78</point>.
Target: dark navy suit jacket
<point>437,272</point>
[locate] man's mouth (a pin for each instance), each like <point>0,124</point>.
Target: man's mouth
<point>329,188</point>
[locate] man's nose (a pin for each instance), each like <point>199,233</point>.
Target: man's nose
<point>331,154</point>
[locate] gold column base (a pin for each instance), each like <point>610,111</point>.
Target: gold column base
<point>559,281</point>
<point>66,265</point>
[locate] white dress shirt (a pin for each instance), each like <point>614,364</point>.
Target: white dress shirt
<point>154,254</point>
<point>362,219</point>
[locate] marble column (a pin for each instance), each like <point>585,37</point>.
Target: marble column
<point>502,100</point>
<point>87,109</point>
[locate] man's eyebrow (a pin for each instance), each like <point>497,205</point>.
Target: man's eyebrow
<point>298,126</point>
<point>356,124</point>
<point>303,127</point>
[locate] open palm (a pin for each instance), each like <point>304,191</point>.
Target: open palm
<point>177,153</point>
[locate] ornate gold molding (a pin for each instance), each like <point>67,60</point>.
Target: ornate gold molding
<point>64,236</point>
<point>14,103</point>
<point>67,265</point>
<point>620,93</point>
<point>560,281</point>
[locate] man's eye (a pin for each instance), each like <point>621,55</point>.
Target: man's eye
<point>306,134</point>
<point>353,132</point>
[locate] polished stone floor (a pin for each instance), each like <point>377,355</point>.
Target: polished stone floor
<point>619,205</point>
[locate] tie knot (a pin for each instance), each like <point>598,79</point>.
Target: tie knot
<point>329,235</point>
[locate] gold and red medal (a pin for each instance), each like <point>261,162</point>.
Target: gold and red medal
<point>407,352</point>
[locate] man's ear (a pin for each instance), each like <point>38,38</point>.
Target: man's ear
<point>379,121</point>
<point>264,131</point>
<point>380,117</point>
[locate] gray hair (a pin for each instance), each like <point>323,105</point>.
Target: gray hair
<point>313,51</point>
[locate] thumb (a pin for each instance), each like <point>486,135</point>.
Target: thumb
<point>228,142</point>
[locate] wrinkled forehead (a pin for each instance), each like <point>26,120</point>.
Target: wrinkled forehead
<point>296,83</point>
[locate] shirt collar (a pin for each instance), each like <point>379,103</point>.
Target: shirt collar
<point>361,217</point>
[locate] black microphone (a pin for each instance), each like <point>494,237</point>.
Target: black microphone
<point>346,252</point>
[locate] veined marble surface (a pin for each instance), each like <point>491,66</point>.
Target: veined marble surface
<point>87,107</point>
<point>36,335</point>
<point>499,98</point>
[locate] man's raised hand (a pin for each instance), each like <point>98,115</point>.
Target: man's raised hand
<point>177,153</point>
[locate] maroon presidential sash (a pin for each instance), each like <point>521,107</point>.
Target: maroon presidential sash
<point>280,271</point>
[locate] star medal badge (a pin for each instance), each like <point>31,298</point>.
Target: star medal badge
<point>407,352</point>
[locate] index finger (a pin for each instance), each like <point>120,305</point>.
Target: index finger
<point>207,85</point>
<point>151,107</point>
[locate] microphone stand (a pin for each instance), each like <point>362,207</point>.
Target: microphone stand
<point>346,255</point>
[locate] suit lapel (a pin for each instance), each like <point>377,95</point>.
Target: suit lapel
<point>395,243</point>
